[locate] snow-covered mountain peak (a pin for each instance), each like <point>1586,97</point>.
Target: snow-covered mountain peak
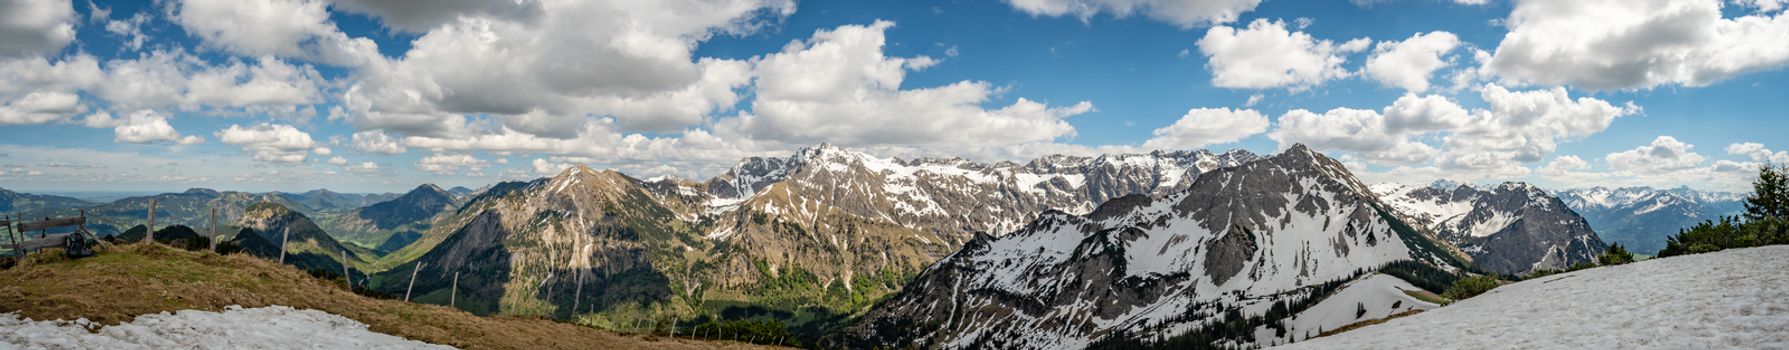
<point>1641,217</point>
<point>1509,228</point>
<point>749,176</point>
<point>1445,184</point>
<point>1517,186</point>
<point>580,178</point>
<point>828,153</point>
<point>1236,239</point>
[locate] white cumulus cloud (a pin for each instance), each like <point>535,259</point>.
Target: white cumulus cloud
<point>286,28</point>
<point>30,27</point>
<point>1408,64</point>
<point>1267,54</point>
<point>1636,44</point>
<point>147,126</point>
<point>270,142</point>
<point>1186,14</point>
<point>40,107</point>
<point>376,141</point>
<point>549,74</point>
<point>1664,154</point>
<point>448,164</point>
<point>1207,126</point>
<point>839,86</point>
<point>1757,152</point>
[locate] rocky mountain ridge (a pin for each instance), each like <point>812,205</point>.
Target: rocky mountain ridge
<point>1510,228</point>
<point>1640,218</point>
<point>824,231</point>
<point>1236,241</point>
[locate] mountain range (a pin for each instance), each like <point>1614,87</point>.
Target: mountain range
<point>1240,240</point>
<point>15,202</point>
<point>822,233</point>
<point>1641,217</point>
<point>1115,250</point>
<point>392,224</point>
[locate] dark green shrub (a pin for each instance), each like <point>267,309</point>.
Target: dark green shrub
<point>1615,255</point>
<point>1469,287</point>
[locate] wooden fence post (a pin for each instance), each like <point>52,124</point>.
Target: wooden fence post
<point>577,295</point>
<point>283,238</point>
<point>10,235</point>
<point>453,295</point>
<point>149,236</point>
<point>346,277</point>
<point>412,281</point>
<point>214,229</point>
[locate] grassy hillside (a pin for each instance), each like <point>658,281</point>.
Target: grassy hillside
<point>136,279</point>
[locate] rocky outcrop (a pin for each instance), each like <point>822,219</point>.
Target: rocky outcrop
<point>1510,228</point>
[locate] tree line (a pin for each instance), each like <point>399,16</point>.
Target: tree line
<point>1765,222</point>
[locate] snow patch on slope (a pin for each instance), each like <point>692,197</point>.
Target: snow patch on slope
<point>235,328</point>
<point>1727,299</point>
<point>1381,295</point>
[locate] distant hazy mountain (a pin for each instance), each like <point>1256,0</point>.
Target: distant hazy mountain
<point>191,208</point>
<point>1510,228</point>
<point>1642,217</point>
<point>461,192</point>
<point>1236,243</point>
<point>323,200</point>
<point>402,218</point>
<point>15,202</point>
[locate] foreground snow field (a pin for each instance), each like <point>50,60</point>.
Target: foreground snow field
<point>1734,299</point>
<point>235,328</point>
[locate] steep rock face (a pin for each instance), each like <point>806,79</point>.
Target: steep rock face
<point>1235,241</point>
<point>856,222</point>
<point>1640,218</point>
<point>1511,228</point>
<point>528,249</point>
<point>748,177</point>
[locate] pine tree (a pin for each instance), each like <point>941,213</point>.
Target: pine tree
<point>1770,194</point>
<point>1615,255</point>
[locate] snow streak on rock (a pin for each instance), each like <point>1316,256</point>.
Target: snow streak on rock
<point>1509,228</point>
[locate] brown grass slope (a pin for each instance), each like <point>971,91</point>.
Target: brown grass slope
<point>126,281</point>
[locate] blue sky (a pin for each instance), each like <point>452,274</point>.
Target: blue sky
<point>359,95</point>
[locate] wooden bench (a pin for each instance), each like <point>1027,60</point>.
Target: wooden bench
<point>49,240</point>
